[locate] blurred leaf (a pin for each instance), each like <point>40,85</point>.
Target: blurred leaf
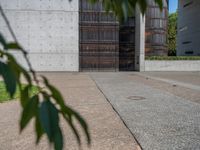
<point>75,131</point>
<point>24,96</point>
<point>18,68</point>
<point>58,140</point>
<point>9,78</point>
<point>38,128</point>
<point>160,3</point>
<point>71,113</point>
<point>142,5</point>
<point>13,45</point>
<point>29,111</point>
<point>55,92</point>
<point>15,71</point>
<point>125,8</point>
<point>49,118</point>
<point>50,123</point>
<point>68,113</point>
<point>2,40</point>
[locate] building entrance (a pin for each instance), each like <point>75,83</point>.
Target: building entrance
<point>104,44</point>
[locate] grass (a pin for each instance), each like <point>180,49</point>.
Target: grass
<point>4,96</point>
<point>172,58</point>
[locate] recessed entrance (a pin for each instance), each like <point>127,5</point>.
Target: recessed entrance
<point>105,45</point>
<point>127,46</point>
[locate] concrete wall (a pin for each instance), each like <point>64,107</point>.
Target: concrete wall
<point>139,40</point>
<point>188,39</point>
<point>156,65</point>
<point>48,30</point>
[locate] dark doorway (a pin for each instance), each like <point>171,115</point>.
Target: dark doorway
<point>127,46</point>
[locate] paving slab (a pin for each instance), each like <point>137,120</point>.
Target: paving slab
<point>159,119</point>
<point>108,132</point>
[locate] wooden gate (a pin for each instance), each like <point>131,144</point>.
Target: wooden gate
<point>99,38</point>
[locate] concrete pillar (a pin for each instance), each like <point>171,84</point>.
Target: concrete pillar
<point>139,41</point>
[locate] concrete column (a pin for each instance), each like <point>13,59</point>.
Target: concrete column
<point>139,41</point>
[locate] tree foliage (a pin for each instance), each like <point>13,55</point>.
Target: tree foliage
<point>172,33</point>
<point>125,8</point>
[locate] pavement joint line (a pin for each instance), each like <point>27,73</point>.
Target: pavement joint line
<point>173,82</point>
<point>89,104</point>
<point>73,87</point>
<point>139,147</point>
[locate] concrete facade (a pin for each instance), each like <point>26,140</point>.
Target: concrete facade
<point>188,42</point>
<point>48,30</point>
<point>180,65</point>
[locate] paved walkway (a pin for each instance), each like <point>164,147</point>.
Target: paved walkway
<point>159,114</point>
<point>107,129</point>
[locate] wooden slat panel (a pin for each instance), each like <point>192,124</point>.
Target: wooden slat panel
<point>99,41</point>
<point>156,29</point>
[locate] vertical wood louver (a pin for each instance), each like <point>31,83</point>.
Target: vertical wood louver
<point>99,38</point>
<point>156,29</point>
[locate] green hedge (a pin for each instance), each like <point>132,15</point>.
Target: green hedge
<point>172,58</point>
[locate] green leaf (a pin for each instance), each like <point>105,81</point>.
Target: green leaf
<point>55,92</point>
<point>125,9</point>
<point>160,3</point>
<point>9,78</point>
<point>70,112</point>
<point>13,64</point>
<point>143,6</point>
<point>49,119</point>
<point>50,123</point>
<point>58,140</point>
<point>24,96</point>
<point>13,45</point>
<point>2,40</point>
<point>75,131</point>
<point>29,111</point>
<point>38,128</point>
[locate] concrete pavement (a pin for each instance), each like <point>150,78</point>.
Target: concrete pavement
<point>189,80</point>
<point>158,117</point>
<point>107,130</point>
<point>120,108</point>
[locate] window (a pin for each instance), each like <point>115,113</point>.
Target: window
<point>183,28</point>
<point>187,42</point>
<point>188,4</point>
<point>189,52</point>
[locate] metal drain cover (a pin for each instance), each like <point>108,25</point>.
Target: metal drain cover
<point>136,98</point>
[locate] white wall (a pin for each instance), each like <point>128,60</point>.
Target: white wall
<point>48,30</point>
<point>180,65</point>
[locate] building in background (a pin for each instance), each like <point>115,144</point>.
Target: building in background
<point>76,36</point>
<point>188,39</point>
